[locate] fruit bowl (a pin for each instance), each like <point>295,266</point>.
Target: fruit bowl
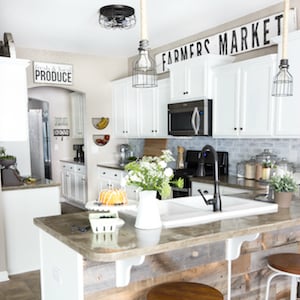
<point>101,140</point>
<point>100,123</point>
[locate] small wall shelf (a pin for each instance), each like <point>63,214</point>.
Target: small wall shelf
<point>101,139</point>
<point>100,123</point>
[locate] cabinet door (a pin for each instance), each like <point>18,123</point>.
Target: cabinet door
<point>14,100</point>
<point>226,101</point>
<point>256,107</point>
<point>161,108</point>
<point>178,82</point>
<point>287,120</point>
<point>125,108</point>
<point>77,104</point>
<point>80,184</point>
<point>147,101</point>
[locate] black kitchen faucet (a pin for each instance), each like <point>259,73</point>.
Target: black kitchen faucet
<point>216,200</point>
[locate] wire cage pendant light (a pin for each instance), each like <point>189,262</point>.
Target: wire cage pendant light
<point>144,69</point>
<point>283,80</point>
<point>117,16</point>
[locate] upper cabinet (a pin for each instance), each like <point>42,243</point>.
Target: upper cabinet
<point>287,109</point>
<point>243,105</point>
<point>77,105</point>
<point>192,79</point>
<point>154,110</point>
<point>125,108</point>
<point>140,112</point>
<point>14,99</point>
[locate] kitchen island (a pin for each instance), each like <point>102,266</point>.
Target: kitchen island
<point>77,264</point>
<point>21,204</point>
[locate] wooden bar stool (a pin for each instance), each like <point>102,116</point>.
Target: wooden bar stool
<point>287,264</point>
<point>183,291</point>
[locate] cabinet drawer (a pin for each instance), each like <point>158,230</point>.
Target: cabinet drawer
<point>111,173</point>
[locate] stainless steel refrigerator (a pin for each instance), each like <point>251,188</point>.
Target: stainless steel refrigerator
<point>39,138</point>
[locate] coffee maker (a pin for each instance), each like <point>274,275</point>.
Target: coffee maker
<point>79,153</point>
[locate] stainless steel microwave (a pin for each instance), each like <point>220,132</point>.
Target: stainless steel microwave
<point>190,118</point>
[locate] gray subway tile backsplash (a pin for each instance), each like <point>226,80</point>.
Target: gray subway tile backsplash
<point>238,149</point>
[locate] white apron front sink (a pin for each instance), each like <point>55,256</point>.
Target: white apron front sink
<point>187,211</point>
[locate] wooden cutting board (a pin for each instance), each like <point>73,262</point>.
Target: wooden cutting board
<point>153,147</point>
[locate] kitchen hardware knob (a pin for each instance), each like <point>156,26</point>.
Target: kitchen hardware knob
<point>241,128</point>
<point>235,128</point>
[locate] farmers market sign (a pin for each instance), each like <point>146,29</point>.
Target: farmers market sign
<point>251,36</point>
<point>52,73</point>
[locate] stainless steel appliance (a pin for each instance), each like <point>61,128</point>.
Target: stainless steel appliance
<point>124,154</point>
<point>192,162</point>
<point>190,118</point>
<point>39,139</point>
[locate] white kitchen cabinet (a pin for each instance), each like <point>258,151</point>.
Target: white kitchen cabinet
<point>287,121</point>
<point>77,105</point>
<point>125,108</point>
<point>73,182</point>
<point>192,79</point>
<point>140,112</point>
<point>208,189</point>
<point>242,101</point>
<point>110,178</point>
<point>14,99</point>
<point>153,103</point>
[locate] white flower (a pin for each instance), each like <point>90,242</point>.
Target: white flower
<point>162,164</point>
<point>168,172</point>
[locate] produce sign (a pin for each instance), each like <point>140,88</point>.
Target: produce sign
<point>52,73</point>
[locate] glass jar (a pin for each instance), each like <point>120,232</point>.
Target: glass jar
<point>264,161</point>
<point>240,169</point>
<point>283,167</point>
<point>250,168</point>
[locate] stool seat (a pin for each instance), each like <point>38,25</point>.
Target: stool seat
<point>285,262</point>
<point>183,291</point>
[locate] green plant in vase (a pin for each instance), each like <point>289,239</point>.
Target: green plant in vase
<point>284,186</point>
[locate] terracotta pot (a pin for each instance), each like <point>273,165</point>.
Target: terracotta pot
<point>283,199</point>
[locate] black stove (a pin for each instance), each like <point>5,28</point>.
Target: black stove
<point>192,161</point>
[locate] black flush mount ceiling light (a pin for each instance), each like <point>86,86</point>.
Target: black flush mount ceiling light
<point>144,69</point>
<point>283,80</point>
<point>117,16</point>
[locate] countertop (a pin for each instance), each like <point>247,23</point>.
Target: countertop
<point>111,166</point>
<point>71,161</point>
<point>128,241</point>
<point>34,185</point>
<point>233,181</point>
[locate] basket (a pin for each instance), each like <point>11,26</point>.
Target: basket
<point>105,221</point>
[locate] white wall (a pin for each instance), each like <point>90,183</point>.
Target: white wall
<point>92,76</point>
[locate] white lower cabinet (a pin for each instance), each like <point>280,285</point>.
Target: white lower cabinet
<point>110,178</point>
<point>243,104</point>
<point>208,189</point>
<point>73,182</point>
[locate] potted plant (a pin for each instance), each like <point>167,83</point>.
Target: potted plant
<point>151,175</point>
<point>5,159</point>
<point>284,186</point>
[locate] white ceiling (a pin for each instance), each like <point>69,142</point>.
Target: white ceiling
<point>72,25</point>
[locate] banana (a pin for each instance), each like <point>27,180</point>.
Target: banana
<point>102,123</point>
